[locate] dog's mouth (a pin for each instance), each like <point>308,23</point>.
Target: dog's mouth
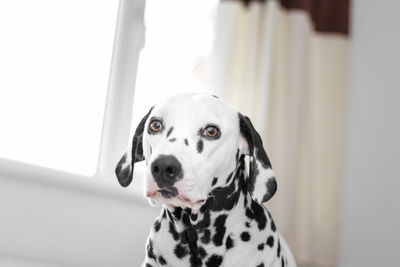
<point>168,192</point>
<point>171,196</point>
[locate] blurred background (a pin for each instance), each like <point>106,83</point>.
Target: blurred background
<point>318,78</point>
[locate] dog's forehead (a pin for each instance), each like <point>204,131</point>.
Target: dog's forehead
<point>199,107</point>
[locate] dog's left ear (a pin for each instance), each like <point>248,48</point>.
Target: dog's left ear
<point>262,183</point>
<point>124,169</point>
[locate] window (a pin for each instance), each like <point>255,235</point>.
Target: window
<point>55,69</point>
<point>54,72</point>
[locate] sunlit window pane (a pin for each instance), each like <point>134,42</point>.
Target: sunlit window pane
<point>54,66</point>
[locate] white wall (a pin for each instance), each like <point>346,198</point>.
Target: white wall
<point>371,216</point>
<point>59,226</point>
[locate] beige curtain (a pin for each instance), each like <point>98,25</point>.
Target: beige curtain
<point>291,80</point>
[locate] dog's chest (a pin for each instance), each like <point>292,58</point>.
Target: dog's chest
<point>220,239</point>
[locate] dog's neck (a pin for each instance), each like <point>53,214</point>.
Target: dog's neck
<point>222,198</point>
<point>222,203</point>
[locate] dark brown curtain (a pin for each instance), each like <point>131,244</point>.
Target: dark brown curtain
<point>327,15</point>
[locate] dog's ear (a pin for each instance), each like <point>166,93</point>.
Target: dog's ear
<point>124,169</point>
<point>262,183</point>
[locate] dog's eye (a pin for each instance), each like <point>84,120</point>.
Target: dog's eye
<point>155,126</point>
<point>211,131</point>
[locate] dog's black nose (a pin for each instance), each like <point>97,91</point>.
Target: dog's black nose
<point>166,169</point>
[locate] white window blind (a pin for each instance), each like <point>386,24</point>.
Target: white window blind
<point>54,68</point>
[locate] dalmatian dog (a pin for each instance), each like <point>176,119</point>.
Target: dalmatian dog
<point>212,215</point>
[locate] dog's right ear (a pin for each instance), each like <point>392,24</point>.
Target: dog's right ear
<point>124,169</point>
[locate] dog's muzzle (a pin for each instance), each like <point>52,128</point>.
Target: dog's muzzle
<point>166,171</point>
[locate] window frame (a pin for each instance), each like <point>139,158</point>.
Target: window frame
<point>128,41</point>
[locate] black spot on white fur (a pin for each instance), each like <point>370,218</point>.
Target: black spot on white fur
<point>229,243</point>
<point>245,236</point>
<point>150,251</point>
<point>256,212</point>
<point>181,251</point>
<point>173,231</point>
<point>214,261</point>
<point>278,251</point>
<point>202,252</point>
<point>161,260</point>
<point>270,241</point>
<point>229,177</point>
<point>219,229</point>
<point>170,131</point>
<point>157,226</point>
<point>205,239</point>
<point>200,146</point>
<point>215,180</point>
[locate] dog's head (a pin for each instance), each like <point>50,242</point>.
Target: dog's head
<point>191,143</point>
